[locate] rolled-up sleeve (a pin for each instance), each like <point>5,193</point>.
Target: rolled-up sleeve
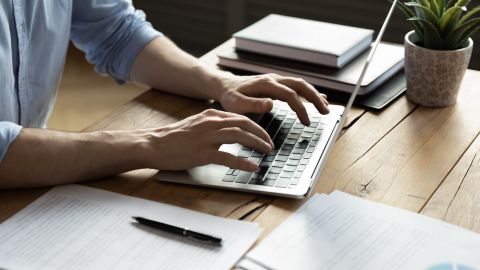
<point>8,133</point>
<point>111,33</point>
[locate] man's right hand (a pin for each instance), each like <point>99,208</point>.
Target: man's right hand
<point>196,140</point>
<point>41,157</point>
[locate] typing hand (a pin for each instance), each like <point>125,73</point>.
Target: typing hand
<point>251,94</point>
<point>195,142</point>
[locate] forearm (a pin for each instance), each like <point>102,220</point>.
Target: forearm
<point>44,158</point>
<point>162,65</point>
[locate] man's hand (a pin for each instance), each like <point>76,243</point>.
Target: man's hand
<point>43,158</point>
<point>195,141</point>
<point>245,94</point>
<point>164,66</point>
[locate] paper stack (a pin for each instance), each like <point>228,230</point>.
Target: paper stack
<point>75,227</point>
<point>340,231</point>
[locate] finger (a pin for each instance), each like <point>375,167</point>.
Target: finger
<point>232,120</point>
<point>237,135</point>
<point>305,89</point>
<point>231,161</point>
<point>308,91</point>
<point>325,101</point>
<point>247,104</point>
<point>250,126</point>
<point>325,98</point>
<point>291,97</point>
<point>269,87</point>
<point>218,113</point>
<point>325,104</point>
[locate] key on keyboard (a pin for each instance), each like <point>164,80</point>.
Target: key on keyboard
<point>294,145</point>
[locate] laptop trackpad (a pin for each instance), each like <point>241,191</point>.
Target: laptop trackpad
<point>206,175</point>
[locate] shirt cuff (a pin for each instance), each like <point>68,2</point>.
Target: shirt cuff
<point>143,33</point>
<point>8,133</point>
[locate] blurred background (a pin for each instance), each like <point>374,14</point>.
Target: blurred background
<point>199,26</point>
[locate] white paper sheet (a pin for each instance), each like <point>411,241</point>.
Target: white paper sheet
<point>343,232</point>
<point>75,227</point>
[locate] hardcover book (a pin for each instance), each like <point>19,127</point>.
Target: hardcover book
<point>304,40</point>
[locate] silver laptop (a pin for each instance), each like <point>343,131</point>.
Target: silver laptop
<point>293,167</point>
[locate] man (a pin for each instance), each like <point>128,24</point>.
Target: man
<point>119,42</point>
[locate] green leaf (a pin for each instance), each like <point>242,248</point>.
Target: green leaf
<point>474,27</point>
<point>407,11</point>
<point>449,20</point>
<point>456,36</point>
<point>449,4</point>
<point>467,35</point>
<point>441,7</point>
<point>409,14</point>
<point>434,7</point>
<point>431,36</point>
<point>469,15</point>
<point>428,14</point>
<point>462,3</point>
<point>424,3</point>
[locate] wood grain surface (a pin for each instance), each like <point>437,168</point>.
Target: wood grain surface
<point>421,159</point>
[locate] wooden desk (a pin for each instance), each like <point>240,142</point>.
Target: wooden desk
<point>420,159</point>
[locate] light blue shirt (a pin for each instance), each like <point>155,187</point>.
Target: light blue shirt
<point>34,36</point>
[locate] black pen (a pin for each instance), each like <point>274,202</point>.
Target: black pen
<point>205,238</point>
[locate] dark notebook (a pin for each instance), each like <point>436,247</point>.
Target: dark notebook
<point>378,99</point>
<point>388,61</point>
<point>384,92</point>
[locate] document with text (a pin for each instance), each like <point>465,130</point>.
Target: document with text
<point>76,227</point>
<point>340,232</point>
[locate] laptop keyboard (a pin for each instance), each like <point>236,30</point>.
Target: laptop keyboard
<point>294,145</point>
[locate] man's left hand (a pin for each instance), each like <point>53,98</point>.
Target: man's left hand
<point>252,94</point>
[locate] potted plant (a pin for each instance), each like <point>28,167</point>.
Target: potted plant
<point>438,50</point>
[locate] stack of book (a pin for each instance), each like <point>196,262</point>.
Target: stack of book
<point>329,56</point>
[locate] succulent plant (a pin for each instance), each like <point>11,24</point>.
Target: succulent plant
<point>442,24</point>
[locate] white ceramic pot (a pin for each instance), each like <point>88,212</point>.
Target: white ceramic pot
<point>433,76</point>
